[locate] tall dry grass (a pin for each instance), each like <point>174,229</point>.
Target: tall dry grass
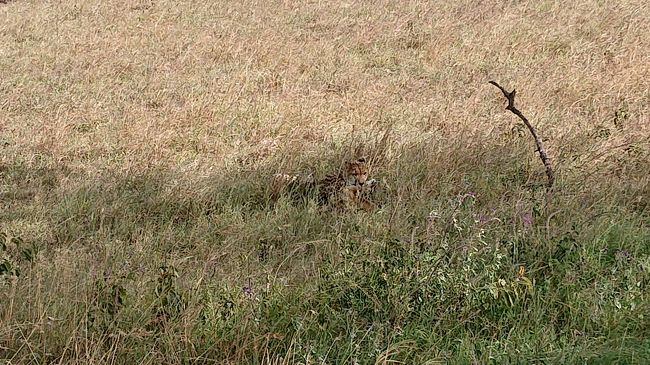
<point>137,140</point>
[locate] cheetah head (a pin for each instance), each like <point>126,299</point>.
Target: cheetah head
<point>357,171</point>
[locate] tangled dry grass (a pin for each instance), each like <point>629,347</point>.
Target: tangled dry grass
<point>137,140</point>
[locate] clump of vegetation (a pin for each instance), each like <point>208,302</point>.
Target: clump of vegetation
<point>138,222</point>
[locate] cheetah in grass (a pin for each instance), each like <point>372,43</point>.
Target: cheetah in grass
<point>348,188</point>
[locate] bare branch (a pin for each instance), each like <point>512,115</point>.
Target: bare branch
<point>538,141</point>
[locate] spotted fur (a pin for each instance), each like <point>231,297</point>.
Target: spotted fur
<point>349,187</point>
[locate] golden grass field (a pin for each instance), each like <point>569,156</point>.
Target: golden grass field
<point>141,134</point>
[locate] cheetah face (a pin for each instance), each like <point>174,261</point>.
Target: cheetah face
<point>357,172</point>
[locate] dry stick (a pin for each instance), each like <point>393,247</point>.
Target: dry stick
<point>538,141</point>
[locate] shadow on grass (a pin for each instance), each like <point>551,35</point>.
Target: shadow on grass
<point>460,263</point>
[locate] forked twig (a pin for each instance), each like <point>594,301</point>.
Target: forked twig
<point>538,141</point>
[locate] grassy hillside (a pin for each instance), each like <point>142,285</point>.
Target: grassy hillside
<point>138,138</point>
